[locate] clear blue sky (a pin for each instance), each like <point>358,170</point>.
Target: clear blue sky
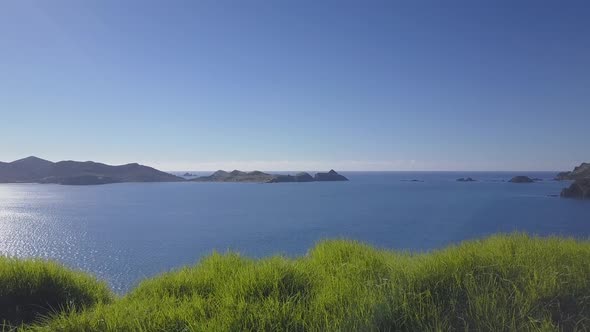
<point>297,85</point>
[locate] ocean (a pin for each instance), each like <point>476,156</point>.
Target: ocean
<point>123,233</point>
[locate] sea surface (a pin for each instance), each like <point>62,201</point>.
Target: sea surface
<point>124,233</point>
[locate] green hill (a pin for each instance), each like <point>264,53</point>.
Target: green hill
<point>506,282</point>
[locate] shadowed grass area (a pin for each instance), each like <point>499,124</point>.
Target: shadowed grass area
<point>33,289</point>
<point>506,282</point>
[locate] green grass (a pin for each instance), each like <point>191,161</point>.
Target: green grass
<point>32,289</point>
<point>503,283</point>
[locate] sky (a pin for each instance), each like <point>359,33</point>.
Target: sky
<point>297,85</point>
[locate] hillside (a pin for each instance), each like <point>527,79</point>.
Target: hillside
<point>579,172</point>
<point>36,170</point>
<point>503,283</point>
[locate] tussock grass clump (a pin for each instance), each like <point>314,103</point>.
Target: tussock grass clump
<point>30,290</point>
<point>508,282</point>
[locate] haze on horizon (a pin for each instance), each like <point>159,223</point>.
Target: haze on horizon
<point>302,85</point>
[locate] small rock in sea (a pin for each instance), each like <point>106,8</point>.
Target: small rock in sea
<point>521,179</point>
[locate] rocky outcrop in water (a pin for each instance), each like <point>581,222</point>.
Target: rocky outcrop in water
<point>467,179</point>
<point>578,189</point>
<point>579,172</point>
<point>521,179</point>
<point>332,175</point>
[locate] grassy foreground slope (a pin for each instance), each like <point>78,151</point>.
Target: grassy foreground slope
<point>508,282</point>
<point>33,289</point>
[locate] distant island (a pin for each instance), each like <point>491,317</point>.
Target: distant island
<point>261,177</point>
<point>521,179</point>
<point>37,170</point>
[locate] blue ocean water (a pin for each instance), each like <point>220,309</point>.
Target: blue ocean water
<point>126,232</point>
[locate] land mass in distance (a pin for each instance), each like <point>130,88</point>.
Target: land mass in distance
<point>37,170</point>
